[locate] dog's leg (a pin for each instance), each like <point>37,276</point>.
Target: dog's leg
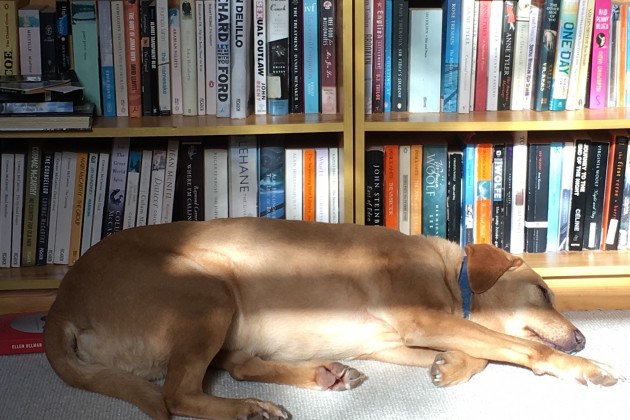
<point>313,375</point>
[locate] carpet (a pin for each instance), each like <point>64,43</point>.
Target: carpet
<point>30,390</point>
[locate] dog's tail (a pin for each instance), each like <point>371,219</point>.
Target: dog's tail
<point>60,342</point>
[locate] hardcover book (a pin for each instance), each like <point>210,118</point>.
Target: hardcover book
<point>63,31</point>
<point>223,58</point>
<point>22,332</point>
<point>425,50</point>
<point>241,58</point>
<point>278,57</point>
<point>271,187</point>
<point>48,21</point>
<point>243,176</point>
<point>85,50</point>
<point>374,158</point>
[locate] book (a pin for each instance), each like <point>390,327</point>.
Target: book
<point>537,198</point>
<point>465,56</point>
<point>189,190</point>
<point>106,54</point>
<point>133,57</point>
<point>545,66</point>
<point>624,221</point>
<point>85,50</point>
<point>378,54</point>
<point>210,42</point>
<point>615,192</point>
<point>100,194</point>
<point>147,62</point>
<point>374,159</point>
<point>533,45</point>
<point>368,34</point>
<point>41,245</point>
<point>483,198</point>
<point>387,77</point>
<point>170,171</point>
<point>598,85</point>
<point>78,201</point>
<point>271,173</point>
<point>555,188</point>
<point>63,30</point>
<point>495,31</point>
<point>30,39</point>
<point>188,42</point>
<point>565,48</point>
<point>278,57</point>
<point>294,190</point>
<point>163,57</point>
<point>310,57</point>
<point>144,187</point>
<point>215,181</point>
<point>434,171</point>
<point>119,57</point>
<point>508,177</point>
<point>115,204</point>
<point>64,212</point>
<point>32,182</point>
<point>335,185</point>
<point>79,119</point>
<point>595,187</point>
<point>519,182</point>
<point>415,195</point>
<point>566,189</point>
<point>260,57</point>
<point>404,189</point>
<point>580,59</point>
<point>390,187</point>
<point>224,75</point>
<point>328,57</point>
<point>200,33</point>
<point>400,57</point>
<point>241,58</point>
<point>132,189</point>
<point>498,194</point>
<point>506,65</point>
<point>153,63</point>
<point>10,47</point>
<point>296,63</point>
<point>454,195</point>
<point>308,188</point>
<point>89,206</point>
<point>578,197</point>
<point>7,165</point>
<point>425,49</point>
<point>156,194</point>
<point>322,185</point>
<point>450,55</point>
<point>243,176</point>
<point>18,206</point>
<point>174,32</point>
<point>48,21</point>
<point>22,333</point>
<point>520,55</point>
<point>35,107</point>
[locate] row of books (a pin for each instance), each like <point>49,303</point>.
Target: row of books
<point>227,58</point>
<point>520,194</point>
<point>489,55</point>
<point>55,203</point>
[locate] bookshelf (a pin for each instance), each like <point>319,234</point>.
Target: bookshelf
<point>580,280</point>
<point>31,288</point>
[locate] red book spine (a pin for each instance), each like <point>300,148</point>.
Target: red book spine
<point>483,35</point>
<point>132,50</point>
<point>391,186</point>
<point>22,333</point>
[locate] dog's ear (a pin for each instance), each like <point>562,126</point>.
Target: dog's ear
<point>486,264</point>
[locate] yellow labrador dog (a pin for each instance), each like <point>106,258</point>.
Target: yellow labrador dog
<point>286,302</point>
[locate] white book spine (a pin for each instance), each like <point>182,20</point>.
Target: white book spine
<point>260,57</point>
<point>163,57</point>
<point>209,9</point>
<point>90,197</point>
<point>144,188</point>
<point>566,188</point>
<point>465,56</point>
<point>243,176</point>
<point>188,25</point>
<point>576,57</point>
<point>131,190</point>
<point>241,58</point>
<point>585,56</point>
<point>322,186</point>
<point>201,57</point>
<point>494,54</point>
<point>293,183</point>
<point>425,52</point>
<point>369,51</point>
<point>30,41</point>
<point>108,85</point>
<point>404,189</point>
<point>172,151</point>
<point>333,171</point>
<point>519,181</point>
<point>223,58</point>
<point>120,58</point>
<point>215,173</point>
<point>532,48</point>
<point>158,173</point>
<point>174,31</point>
<point>64,212</point>
<point>99,197</point>
<point>7,168</point>
<point>473,70</point>
<point>517,98</point>
<point>18,203</point>
<point>54,208</point>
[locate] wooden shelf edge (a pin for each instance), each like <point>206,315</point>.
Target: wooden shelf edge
<point>592,293</point>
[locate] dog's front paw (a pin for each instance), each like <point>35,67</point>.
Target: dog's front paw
<point>576,368</point>
<point>338,377</point>
<point>599,374</point>
<point>454,367</point>
<point>253,409</point>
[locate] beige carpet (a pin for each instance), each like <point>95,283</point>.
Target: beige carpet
<point>30,390</point>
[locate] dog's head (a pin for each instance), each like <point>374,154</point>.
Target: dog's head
<point>512,298</point>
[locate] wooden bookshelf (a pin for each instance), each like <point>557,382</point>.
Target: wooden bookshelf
<point>580,280</point>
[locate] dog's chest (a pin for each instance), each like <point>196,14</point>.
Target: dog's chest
<point>302,335</point>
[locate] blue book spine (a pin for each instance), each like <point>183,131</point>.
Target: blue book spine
<point>311,57</point>
<point>387,77</point>
<point>450,55</point>
<point>108,87</point>
<point>434,190</point>
<point>468,196</point>
<point>85,50</point>
<point>555,186</point>
<point>564,52</point>
<point>271,188</point>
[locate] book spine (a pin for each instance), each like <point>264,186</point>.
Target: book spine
<point>328,59</point>
<point>537,198</point>
<point>223,59</point>
<point>483,200</point>
<point>170,171</point>
<point>7,168</point>
<point>209,10</point>
<point>241,58</point>
<point>415,196</point>
<point>565,50</point>
<point>494,50</point>
<point>374,159</point>
<point>335,190</point>
<point>577,53</point>
<point>260,58</point>
<point>99,197</point>
<point>465,56</point>
<point>30,40</point>
<point>144,187</point>
<point>521,34</point>
<point>506,69</point>
<point>296,71</point>
<point>535,16</point>
<point>555,188</point>
<point>404,189</point>
<point>585,56</point>
<point>18,208</point>
<point>310,54</point>
<point>624,222</point>
<point>48,17</point>
<point>107,59</point>
<point>62,31</point>
<point>519,182</point>
<point>133,57</point>
<point>473,56</point>
<point>434,167</point>
<point>145,58</point>
<point>390,189</point>
<point>174,31</point>
<point>64,212</point>
<point>31,204</point>
<point>400,47</point>
<point>243,179</point>
<point>387,77</point>
<point>156,195</point>
<point>277,57</point>
<point>77,208</point>
<point>189,192</point>
<point>216,183</point>
<point>90,195</point>
<point>294,183</point>
<point>200,51</point>
<point>378,55</point>
<point>598,88</point>
<point>41,246</point>
<point>498,194</point>
<point>595,188</point>
<point>454,196</point>
<point>450,55</point>
<point>85,50</point>
<point>508,176</point>
<point>566,189</point>
<point>10,46</point>
<point>546,57</point>
<point>188,39</point>
<point>34,107</point>
<point>163,57</point>
<point>115,205</point>
<point>616,192</point>
<point>578,198</point>
<point>308,176</point>
<point>119,57</point>
<point>132,189</point>
<point>271,186</point>
<point>368,33</point>
<point>483,38</point>
<point>153,66</point>
<point>322,185</point>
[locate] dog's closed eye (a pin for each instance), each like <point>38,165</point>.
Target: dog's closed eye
<point>546,293</point>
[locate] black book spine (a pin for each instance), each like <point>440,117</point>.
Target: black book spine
<point>578,197</point>
<point>536,207</point>
<point>454,197</point>
<point>400,57</point>
<point>498,194</point>
<point>374,186</point>
<point>44,207</point>
<point>296,74</point>
<point>616,192</point>
<point>145,51</point>
<point>595,187</point>
<point>63,30</point>
<point>48,18</point>
<point>507,182</point>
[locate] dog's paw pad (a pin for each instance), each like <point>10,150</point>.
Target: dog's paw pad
<point>254,409</point>
<point>338,377</point>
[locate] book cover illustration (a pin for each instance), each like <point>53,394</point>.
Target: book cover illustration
<point>22,333</point>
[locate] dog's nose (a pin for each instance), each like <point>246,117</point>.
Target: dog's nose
<point>580,341</point>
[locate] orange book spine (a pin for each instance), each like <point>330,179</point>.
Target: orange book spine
<point>391,186</point>
<point>308,212</point>
<point>483,200</point>
<point>416,190</point>
<point>77,208</point>
<point>132,52</point>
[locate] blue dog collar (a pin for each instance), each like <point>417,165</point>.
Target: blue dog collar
<point>464,287</point>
